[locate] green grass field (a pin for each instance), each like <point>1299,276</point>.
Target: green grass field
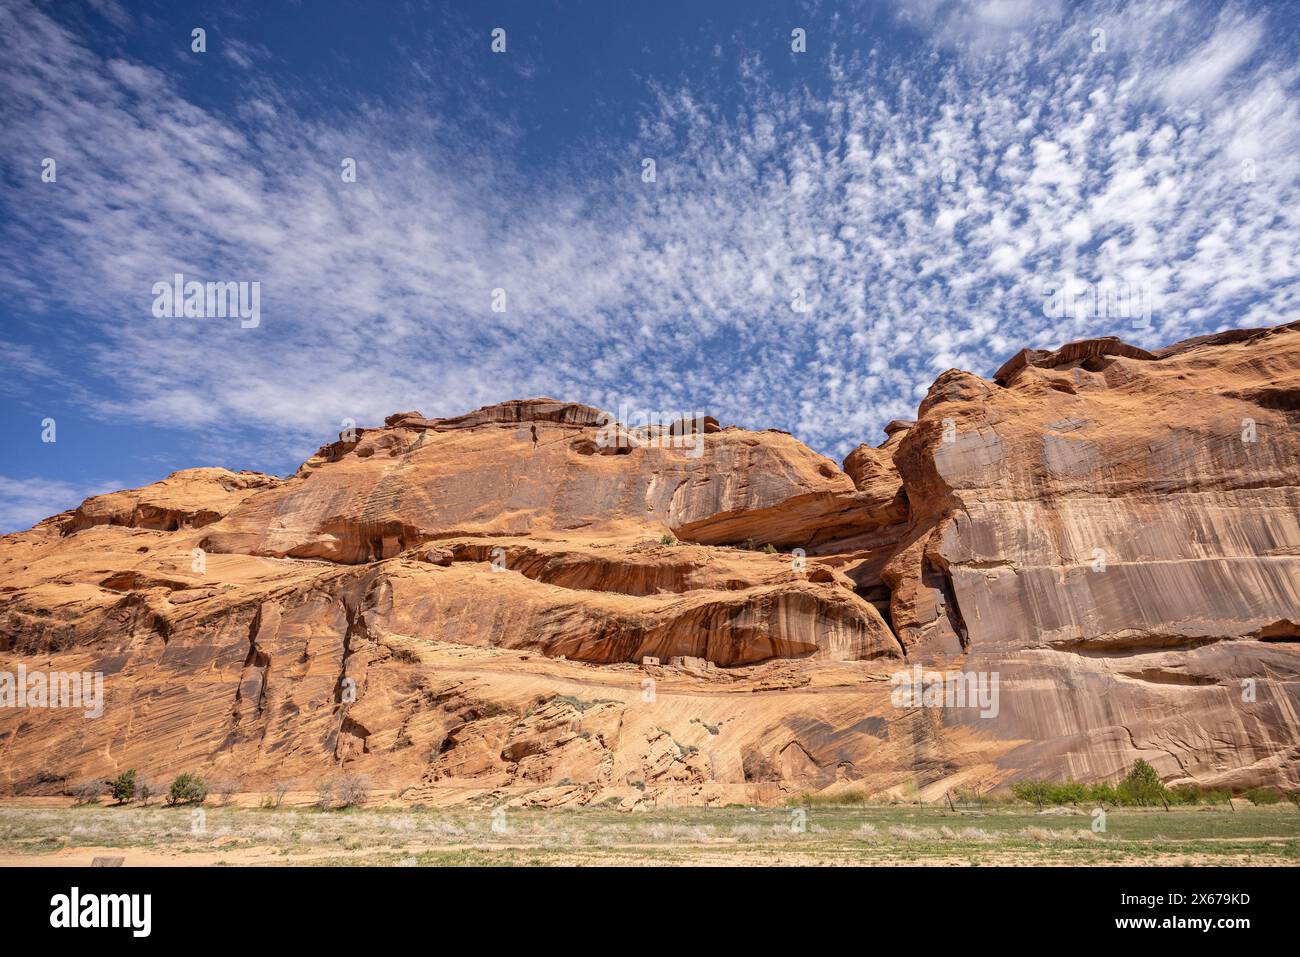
<point>733,835</point>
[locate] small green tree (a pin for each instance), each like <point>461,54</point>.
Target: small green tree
<point>123,787</point>
<point>667,540</point>
<point>187,789</point>
<point>1035,792</point>
<point>1185,794</point>
<point>1068,792</point>
<point>1102,793</point>
<point>1143,785</point>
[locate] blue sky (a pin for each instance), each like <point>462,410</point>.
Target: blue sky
<point>923,175</point>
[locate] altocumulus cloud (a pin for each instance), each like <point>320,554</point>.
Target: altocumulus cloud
<point>24,502</point>
<point>918,203</point>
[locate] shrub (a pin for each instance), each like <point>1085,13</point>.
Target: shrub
<point>275,797</point>
<point>1035,792</point>
<point>353,789</point>
<point>1067,792</point>
<point>769,548</point>
<point>578,704</point>
<point>325,794</point>
<point>123,787</point>
<point>905,833</point>
<point>87,792</point>
<point>1102,793</point>
<point>1258,796</point>
<point>147,790</point>
<point>225,789</point>
<point>667,540</point>
<point>846,798</point>
<point>1043,793</point>
<point>1142,786</point>
<point>187,789</point>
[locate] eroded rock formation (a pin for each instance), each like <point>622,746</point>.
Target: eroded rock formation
<point>534,602</point>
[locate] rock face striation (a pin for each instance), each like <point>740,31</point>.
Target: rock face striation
<point>1091,558</point>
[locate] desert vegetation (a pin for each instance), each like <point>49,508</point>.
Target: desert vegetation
<point>1012,832</point>
<point>1141,787</point>
<point>1031,822</point>
<point>187,789</point>
<point>124,787</point>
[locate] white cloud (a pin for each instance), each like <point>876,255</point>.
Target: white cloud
<point>980,25</point>
<point>24,502</point>
<point>676,294</point>
<point>1205,68</point>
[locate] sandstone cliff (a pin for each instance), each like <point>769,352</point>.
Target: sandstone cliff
<point>532,602</point>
